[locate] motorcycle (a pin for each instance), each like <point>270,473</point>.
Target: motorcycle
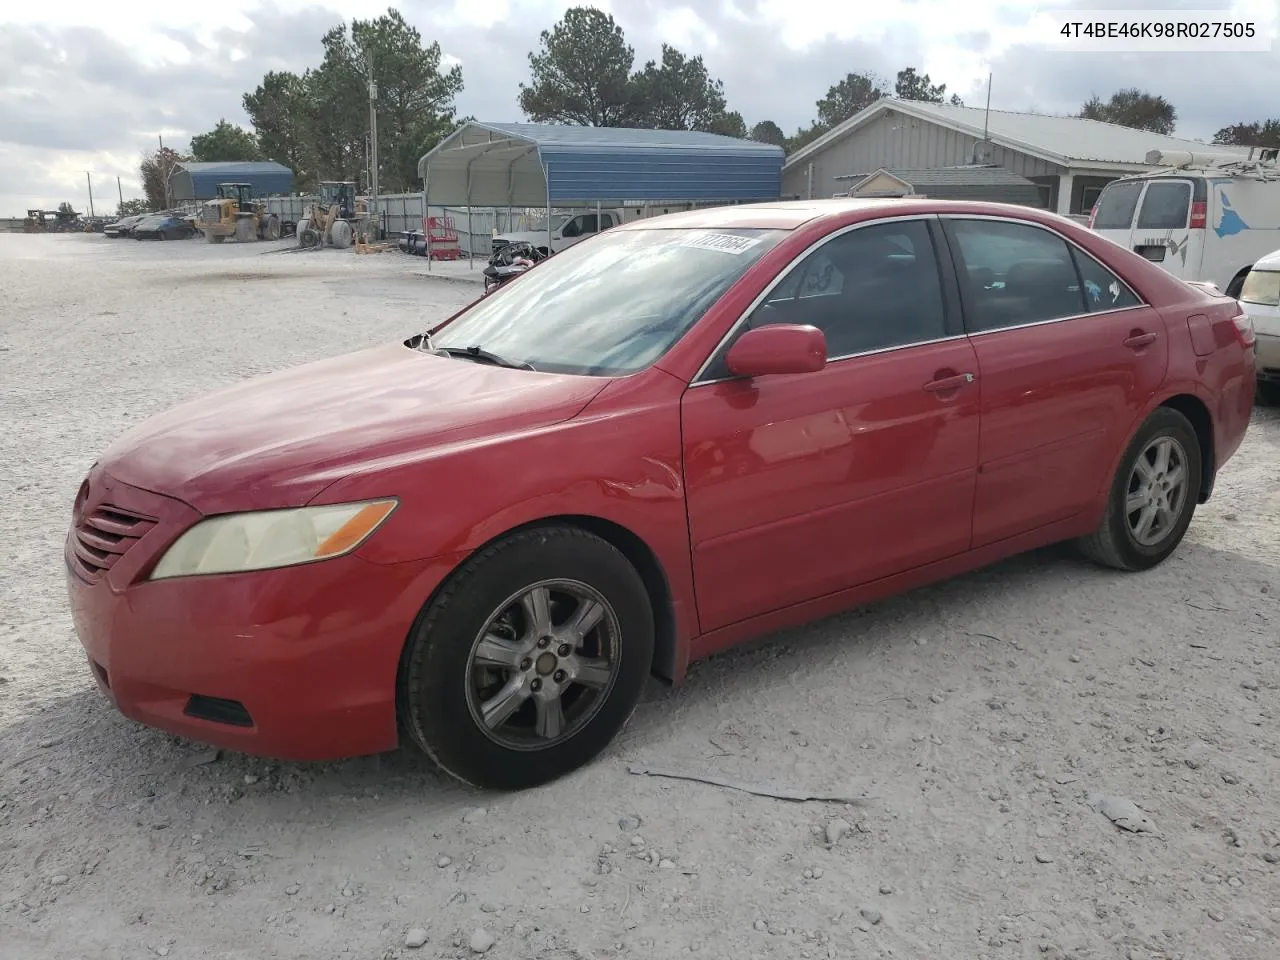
<point>509,262</point>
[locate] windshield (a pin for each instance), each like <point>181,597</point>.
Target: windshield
<point>612,305</point>
<point>1116,206</point>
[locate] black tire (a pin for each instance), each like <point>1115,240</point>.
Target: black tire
<point>1237,284</point>
<point>1114,544</point>
<point>1269,393</point>
<point>436,694</point>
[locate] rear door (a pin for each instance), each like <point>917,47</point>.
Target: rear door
<point>1164,230</point>
<point>1067,355</point>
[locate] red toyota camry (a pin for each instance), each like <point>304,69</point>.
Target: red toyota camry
<point>672,437</point>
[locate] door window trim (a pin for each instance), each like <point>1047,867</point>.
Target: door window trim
<point>947,283</point>
<point>967,312</point>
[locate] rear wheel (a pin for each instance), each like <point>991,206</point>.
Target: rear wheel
<point>529,661</point>
<point>1269,392</point>
<point>1153,496</point>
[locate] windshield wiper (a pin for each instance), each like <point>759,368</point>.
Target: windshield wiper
<point>484,356</point>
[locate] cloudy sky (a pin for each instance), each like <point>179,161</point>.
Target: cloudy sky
<point>87,86</point>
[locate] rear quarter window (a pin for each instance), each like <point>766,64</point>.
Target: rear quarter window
<point>1165,206</point>
<point>1116,206</point>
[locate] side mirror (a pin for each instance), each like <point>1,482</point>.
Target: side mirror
<point>778,349</point>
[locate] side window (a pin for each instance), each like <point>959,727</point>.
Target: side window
<point>573,228</point>
<point>869,289</point>
<point>1103,290</point>
<point>606,221</point>
<point>1015,274</point>
<point>1165,205</point>
<point>589,223</point>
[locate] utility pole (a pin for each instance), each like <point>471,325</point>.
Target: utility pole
<point>373,159</point>
<point>164,171</point>
<point>89,180</point>
<point>120,192</point>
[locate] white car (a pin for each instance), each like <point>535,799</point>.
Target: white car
<point>1260,297</point>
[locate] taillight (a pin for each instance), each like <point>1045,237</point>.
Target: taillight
<point>1199,215</point>
<point>1093,215</point>
<point>1243,327</point>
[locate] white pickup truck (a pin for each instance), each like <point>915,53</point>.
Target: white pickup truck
<point>565,231</point>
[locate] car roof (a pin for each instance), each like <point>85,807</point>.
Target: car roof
<point>791,214</point>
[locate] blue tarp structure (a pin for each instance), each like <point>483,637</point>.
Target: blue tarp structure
<point>199,181</point>
<point>536,164</point>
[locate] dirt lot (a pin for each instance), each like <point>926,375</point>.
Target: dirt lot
<point>973,720</point>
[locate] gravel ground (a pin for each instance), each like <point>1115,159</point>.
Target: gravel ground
<point>973,721</point>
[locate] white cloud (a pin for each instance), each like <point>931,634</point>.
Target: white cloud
<point>88,86</point>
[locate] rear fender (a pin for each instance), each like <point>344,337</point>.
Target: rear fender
<point>1208,461</point>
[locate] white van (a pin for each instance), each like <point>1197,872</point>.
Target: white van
<point>1260,298</point>
<point>1203,217</point>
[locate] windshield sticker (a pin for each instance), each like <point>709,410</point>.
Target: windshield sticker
<point>724,242</point>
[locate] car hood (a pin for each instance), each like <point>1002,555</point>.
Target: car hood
<point>279,439</point>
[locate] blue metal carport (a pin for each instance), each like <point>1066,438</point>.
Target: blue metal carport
<point>536,164</point>
<point>199,181</point>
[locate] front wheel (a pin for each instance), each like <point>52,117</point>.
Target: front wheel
<point>529,661</point>
<point>1153,496</point>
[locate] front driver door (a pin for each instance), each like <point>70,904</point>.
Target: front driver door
<point>800,486</point>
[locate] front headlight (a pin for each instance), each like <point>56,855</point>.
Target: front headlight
<point>265,539</point>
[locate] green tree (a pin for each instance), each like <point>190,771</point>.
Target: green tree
<point>317,122</point>
<point>679,94</point>
<point>853,94</point>
<point>581,73</point>
<point>1264,134</point>
<point>280,110</point>
<point>133,208</point>
<point>225,143</point>
<point>917,86</point>
<point>1133,108</point>
<point>805,136</point>
<point>729,124</point>
<point>766,131</point>
<point>415,100</point>
<point>154,171</point>
<point>66,213</point>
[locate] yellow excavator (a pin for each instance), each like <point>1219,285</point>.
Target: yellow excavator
<point>234,213</point>
<point>336,219</point>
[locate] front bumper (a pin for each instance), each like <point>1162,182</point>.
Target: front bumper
<point>1267,350</point>
<point>296,664</point>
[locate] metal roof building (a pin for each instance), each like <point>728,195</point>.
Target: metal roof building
<point>969,182</point>
<point>1070,158</point>
<point>199,181</point>
<point>535,165</point>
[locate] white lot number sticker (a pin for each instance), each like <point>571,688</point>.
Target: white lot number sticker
<point>724,242</point>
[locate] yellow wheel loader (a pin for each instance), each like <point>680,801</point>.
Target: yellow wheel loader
<point>234,213</point>
<point>336,219</point>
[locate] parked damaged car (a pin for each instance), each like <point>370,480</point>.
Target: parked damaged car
<point>163,226</point>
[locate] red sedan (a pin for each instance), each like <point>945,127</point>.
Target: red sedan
<point>675,436</point>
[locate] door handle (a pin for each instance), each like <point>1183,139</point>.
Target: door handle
<point>943,384</point>
<point>1138,340</point>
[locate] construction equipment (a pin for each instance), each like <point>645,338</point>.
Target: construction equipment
<point>234,213</point>
<point>336,219</point>
<point>38,221</point>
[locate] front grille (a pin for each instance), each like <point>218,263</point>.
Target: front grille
<point>103,536</point>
